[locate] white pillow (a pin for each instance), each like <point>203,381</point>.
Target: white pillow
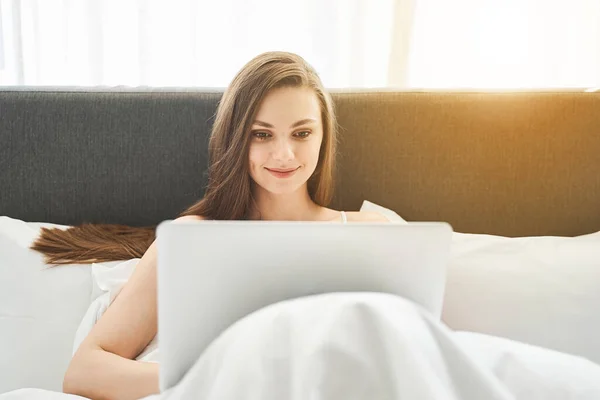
<point>389,214</point>
<point>541,290</point>
<point>40,310</point>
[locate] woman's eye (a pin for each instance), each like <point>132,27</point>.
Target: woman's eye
<point>303,134</point>
<point>261,135</point>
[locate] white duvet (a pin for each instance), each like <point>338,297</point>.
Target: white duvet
<point>368,346</point>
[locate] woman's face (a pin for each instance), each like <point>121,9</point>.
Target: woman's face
<point>285,139</point>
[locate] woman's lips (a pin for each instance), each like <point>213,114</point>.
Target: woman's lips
<point>282,173</point>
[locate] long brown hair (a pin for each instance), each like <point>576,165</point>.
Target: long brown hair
<point>228,195</point>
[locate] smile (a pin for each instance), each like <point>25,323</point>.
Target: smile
<point>282,173</point>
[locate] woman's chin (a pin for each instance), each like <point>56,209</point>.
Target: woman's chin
<point>282,188</point>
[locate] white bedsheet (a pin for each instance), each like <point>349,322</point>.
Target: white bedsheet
<point>368,346</point>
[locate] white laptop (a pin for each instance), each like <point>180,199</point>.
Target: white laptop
<point>212,273</point>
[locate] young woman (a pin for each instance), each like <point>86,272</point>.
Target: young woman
<point>272,157</point>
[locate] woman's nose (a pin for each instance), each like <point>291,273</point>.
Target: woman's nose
<point>283,151</point>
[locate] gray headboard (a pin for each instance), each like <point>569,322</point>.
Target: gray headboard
<point>514,164</point>
<point>105,156</point>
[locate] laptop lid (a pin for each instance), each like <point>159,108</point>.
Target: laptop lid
<point>212,273</point>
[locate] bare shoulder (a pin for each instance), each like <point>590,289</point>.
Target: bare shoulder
<point>366,216</point>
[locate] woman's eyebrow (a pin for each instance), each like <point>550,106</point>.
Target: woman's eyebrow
<point>265,124</point>
<point>302,122</point>
<point>295,124</point>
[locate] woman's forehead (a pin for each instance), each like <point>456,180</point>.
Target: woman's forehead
<point>282,107</point>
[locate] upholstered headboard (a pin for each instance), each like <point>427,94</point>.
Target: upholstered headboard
<point>515,164</point>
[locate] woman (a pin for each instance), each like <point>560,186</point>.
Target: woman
<point>272,157</point>
<point>272,153</point>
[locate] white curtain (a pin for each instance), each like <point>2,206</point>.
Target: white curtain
<point>351,43</point>
<point>1,42</point>
<point>505,44</point>
<point>191,42</point>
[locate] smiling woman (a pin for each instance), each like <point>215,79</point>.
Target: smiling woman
<point>273,145</point>
<point>272,154</point>
<point>284,152</point>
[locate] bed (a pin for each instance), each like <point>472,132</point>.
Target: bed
<point>516,174</point>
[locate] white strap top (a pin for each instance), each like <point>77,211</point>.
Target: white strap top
<point>344,217</point>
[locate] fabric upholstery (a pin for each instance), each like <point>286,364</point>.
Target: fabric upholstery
<point>504,163</point>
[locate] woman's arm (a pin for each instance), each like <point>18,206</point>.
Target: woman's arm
<point>103,366</point>
<point>99,374</point>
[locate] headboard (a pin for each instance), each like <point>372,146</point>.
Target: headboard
<point>506,163</point>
